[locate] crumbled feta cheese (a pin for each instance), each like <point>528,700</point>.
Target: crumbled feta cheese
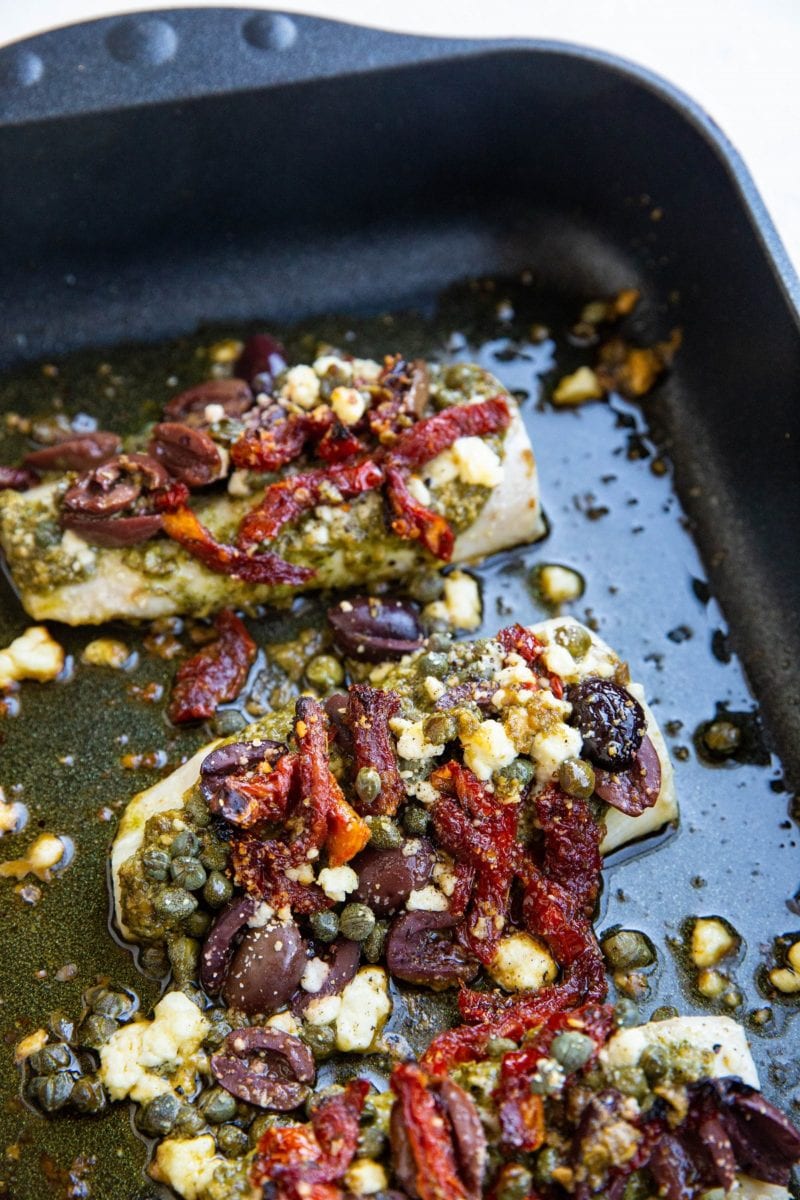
<point>187,1165</point>
<point>488,749</point>
<point>315,974</point>
<point>285,1022</point>
<point>477,462</point>
<point>302,874</point>
<point>130,1057</point>
<point>262,916</point>
<point>460,606</point>
<point>30,1045</point>
<point>366,369</point>
<point>711,941</point>
<point>45,853</point>
<point>411,740</point>
<point>522,963</point>
<point>348,404</point>
<point>33,655</point>
<point>444,876</point>
<point>365,1177</point>
<point>548,750</point>
<point>577,388</point>
<point>434,687</point>
<point>442,469</point>
<point>106,652</point>
<point>323,1010</point>
<point>336,882</point>
<point>301,386</point>
<point>239,483</point>
<point>213,413</point>
<point>418,490</point>
<point>427,899</point>
<point>785,980</point>
<point>365,1006</point>
<point>559,660</point>
<point>559,584</point>
<point>325,362</point>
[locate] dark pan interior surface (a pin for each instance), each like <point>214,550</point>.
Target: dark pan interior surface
<point>357,173</point>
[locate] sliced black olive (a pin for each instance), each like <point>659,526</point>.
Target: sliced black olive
<point>611,722</point>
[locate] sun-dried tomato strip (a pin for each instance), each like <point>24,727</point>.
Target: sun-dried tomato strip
<point>269,447</point>
<point>305,1162</point>
<point>339,444</point>
<point>172,498</point>
<point>215,674</point>
<point>413,521</point>
<point>369,711</point>
<point>479,830</point>
<point>431,1146</point>
<point>330,819</point>
<point>260,867</point>
<point>430,437</point>
<point>259,797</point>
<point>571,845</point>
<point>392,409</point>
<point>516,639</point>
<point>291,497</point>
<point>268,568</point>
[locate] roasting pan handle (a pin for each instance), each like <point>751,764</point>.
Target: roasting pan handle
<point>175,55</point>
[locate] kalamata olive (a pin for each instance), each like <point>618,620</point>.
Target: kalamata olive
<point>636,789</point>
<point>79,453</point>
<point>419,389</point>
<point>115,485</point>
<point>466,1134</point>
<point>343,959</point>
<point>265,1067</point>
<point>113,532</point>
<point>386,878</point>
<point>419,951</point>
<point>17,479</point>
<point>262,359</point>
<point>188,454</point>
<point>469,1140</point>
<point>671,1168</point>
<point>765,1142</point>
<point>374,630</point>
<point>233,396</point>
<point>611,722</point>
<point>223,767</point>
<point>218,947</point>
<point>266,969</point>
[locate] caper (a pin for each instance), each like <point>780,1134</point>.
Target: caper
<point>217,890</point>
<point>189,1121</point>
<point>265,1121</point>
<point>227,721</point>
<point>576,777</point>
<point>426,586</point>
<point>185,844</point>
<point>174,904</point>
<point>440,728</point>
<point>574,638</point>
<point>496,1047</point>
<point>324,672</point>
<point>440,641</point>
<point>214,855</point>
<point>184,953</point>
<point>664,1013</point>
<point>325,926</point>
<point>547,1160</point>
<point>220,1028</point>
<point>722,738</point>
<point>321,1040</point>
<point>153,962</point>
<point>109,1003</point>
<point>384,833</point>
<point>357,922</point>
<point>627,950</point>
<point>368,784</point>
<point>626,1013</point>
<point>375,942</point>
<point>515,1182</point>
<point>188,873</point>
<point>415,819</point>
<point>159,1115</point>
<point>88,1095</point>
<point>195,809</point>
<point>572,1049</point>
<point>155,864</point>
<point>232,1140</point>
<point>520,771</point>
<point>433,662</point>
<point>320,1094</point>
<point>637,1188</point>
<point>96,1030</point>
<point>62,1026</point>
<point>51,1092</point>
<point>198,924</point>
<point>371,1142</point>
<point>654,1062</point>
<point>217,1106</point>
<point>50,1059</point>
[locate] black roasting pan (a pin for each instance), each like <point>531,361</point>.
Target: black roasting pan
<point>166,170</point>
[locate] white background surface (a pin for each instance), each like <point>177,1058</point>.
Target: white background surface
<point>739,58</point>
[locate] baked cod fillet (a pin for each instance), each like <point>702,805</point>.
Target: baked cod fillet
<point>344,473</point>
